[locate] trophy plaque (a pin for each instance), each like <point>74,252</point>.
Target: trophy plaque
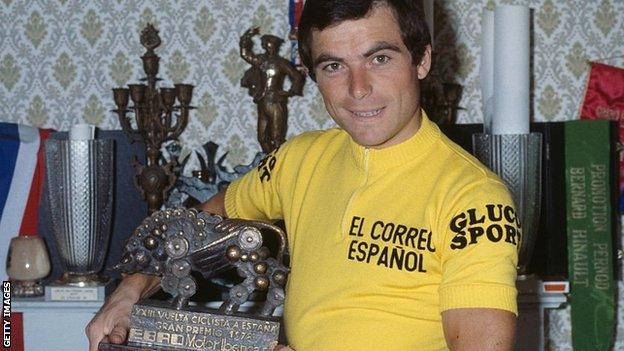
<point>172,244</point>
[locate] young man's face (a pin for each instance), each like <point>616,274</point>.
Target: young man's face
<point>367,79</point>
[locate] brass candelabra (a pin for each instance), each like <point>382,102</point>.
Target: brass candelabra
<point>157,119</point>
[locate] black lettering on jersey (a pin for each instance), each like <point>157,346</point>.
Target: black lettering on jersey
<point>493,222</point>
<point>266,166</point>
<point>393,257</point>
<point>396,234</point>
<point>357,223</point>
<point>388,244</point>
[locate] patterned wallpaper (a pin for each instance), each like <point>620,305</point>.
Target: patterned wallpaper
<point>60,58</point>
<point>566,35</point>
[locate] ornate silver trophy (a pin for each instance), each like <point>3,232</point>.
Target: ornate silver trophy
<point>79,175</point>
<point>517,159</point>
<point>172,244</point>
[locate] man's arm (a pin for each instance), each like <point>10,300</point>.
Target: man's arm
<point>216,204</point>
<point>478,290</point>
<point>481,329</point>
<point>113,319</point>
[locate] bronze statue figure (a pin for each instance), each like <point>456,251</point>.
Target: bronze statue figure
<point>265,80</point>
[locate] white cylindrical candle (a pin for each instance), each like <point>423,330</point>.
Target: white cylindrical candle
<point>487,68</point>
<point>511,70</point>
<point>82,131</point>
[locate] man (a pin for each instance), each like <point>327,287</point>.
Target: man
<point>399,239</point>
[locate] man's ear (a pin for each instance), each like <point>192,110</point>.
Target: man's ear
<point>425,63</point>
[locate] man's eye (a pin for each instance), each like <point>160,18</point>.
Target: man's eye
<point>381,59</point>
<point>332,67</point>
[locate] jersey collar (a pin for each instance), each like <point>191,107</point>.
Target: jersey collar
<point>412,149</point>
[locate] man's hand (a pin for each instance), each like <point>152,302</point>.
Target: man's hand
<point>113,320</point>
<point>481,329</point>
<point>110,323</point>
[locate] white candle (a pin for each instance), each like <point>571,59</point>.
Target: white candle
<point>511,70</point>
<point>82,131</point>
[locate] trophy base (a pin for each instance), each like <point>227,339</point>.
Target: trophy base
<point>157,326</point>
<point>81,280</point>
<point>66,292</point>
<point>26,289</point>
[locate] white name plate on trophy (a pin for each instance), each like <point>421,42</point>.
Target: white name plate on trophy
<point>75,293</point>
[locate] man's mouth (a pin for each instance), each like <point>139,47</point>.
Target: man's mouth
<point>369,113</point>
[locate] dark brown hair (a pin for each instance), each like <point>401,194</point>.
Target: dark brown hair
<point>320,14</point>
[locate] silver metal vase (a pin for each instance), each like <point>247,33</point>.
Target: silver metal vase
<point>80,176</point>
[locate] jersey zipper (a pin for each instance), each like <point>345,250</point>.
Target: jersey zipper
<point>344,225</point>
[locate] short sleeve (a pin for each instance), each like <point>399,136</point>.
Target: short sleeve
<point>480,248</point>
<point>256,194</point>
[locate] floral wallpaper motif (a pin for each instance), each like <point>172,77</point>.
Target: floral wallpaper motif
<point>60,58</point>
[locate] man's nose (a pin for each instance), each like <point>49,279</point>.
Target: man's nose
<point>359,84</point>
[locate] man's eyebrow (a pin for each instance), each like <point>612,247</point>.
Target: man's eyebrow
<point>326,58</point>
<point>379,46</point>
<point>382,45</point>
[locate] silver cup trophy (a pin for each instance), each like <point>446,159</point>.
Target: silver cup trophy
<point>79,175</point>
<point>517,159</point>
